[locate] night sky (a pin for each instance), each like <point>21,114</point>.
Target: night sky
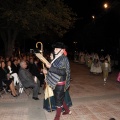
<point>90,34</point>
<point>95,34</point>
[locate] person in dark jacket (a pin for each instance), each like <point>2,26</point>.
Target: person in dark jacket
<point>34,70</point>
<point>15,67</point>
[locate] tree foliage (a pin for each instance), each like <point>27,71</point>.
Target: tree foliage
<point>33,17</point>
<point>36,16</point>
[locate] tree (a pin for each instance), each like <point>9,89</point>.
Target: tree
<point>32,17</point>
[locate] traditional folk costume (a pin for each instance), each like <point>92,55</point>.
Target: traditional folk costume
<point>105,69</point>
<point>52,106</point>
<point>58,78</point>
<point>109,61</point>
<point>96,67</point>
<point>81,58</point>
<point>49,101</point>
<point>89,62</point>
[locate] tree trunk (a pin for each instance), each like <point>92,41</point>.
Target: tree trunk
<point>9,38</point>
<point>9,45</point>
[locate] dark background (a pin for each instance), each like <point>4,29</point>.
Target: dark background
<point>88,34</point>
<point>94,35</point>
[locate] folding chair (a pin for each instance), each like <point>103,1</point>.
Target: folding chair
<point>2,91</point>
<point>24,89</point>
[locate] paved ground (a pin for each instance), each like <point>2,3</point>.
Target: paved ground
<point>92,100</point>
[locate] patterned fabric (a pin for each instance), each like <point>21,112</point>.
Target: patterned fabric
<point>67,66</point>
<point>52,79</point>
<point>60,63</point>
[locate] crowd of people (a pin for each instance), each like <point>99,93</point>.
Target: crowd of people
<point>96,63</point>
<point>21,70</point>
<point>28,72</point>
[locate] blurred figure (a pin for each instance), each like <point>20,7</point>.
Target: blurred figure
<point>118,77</point>
<point>105,69</point>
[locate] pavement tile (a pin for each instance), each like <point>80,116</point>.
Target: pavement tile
<point>105,116</point>
<point>91,99</point>
<point>116,114</point>
<point>90,117</point>
<point>83,111</point>
<point>96,109</point>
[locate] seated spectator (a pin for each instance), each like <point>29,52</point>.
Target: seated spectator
<point>12,73</point>
<point>7,59</point>
<point>27,79</point>
<point>15,66</point>
<point>34,70</point>
<point>5,78</point>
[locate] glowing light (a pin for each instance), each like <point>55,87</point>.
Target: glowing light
<point>105,5</point>
<point>74,42</point>
<point>93,16</point>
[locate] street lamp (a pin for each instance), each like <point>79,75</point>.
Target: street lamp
<point>105,5</point>
<point>93,16</point>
